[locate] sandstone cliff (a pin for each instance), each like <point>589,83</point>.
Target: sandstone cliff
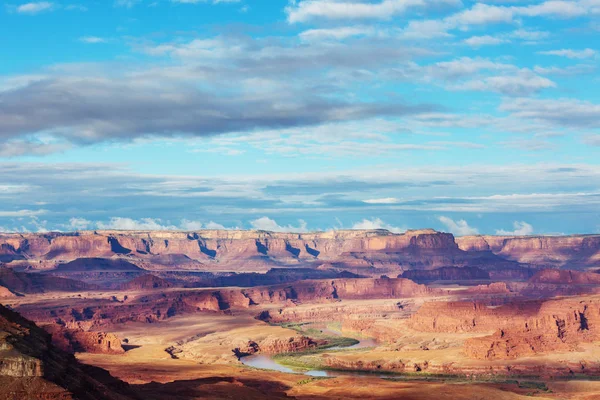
<point>545,251</point>
<point>32,367</point>
<point>369,251</point>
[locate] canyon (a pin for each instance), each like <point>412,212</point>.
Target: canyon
<point>340,304</point>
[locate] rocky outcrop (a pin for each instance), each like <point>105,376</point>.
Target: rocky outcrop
<point>79,341</point>
<point>492,288</point>
<point>273,345</point>
<point>97,264</point>
<point>577,252</point>
<point>565,277</point>
<point>32,367</point>
<point>461,317</point>
<point>559,325</point>
<point>322,290</point>
<point>358,251</point>
<point>21,282</point>
<point>6,293</point>
<point>446,274</point>
<point>146,282</point>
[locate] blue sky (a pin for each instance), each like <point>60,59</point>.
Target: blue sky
<point>469,117</point>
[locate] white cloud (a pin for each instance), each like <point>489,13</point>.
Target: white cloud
<point>306,10</point>
<point>92,39</point>
<point>459,228</point>
<point>485,14</point>
<point>523,83</point>
<point>21,213</point>
<point>486,40</point>
<point>570,53</point>
<point>335,33</point>
<point>592,139</point>
<point>187,225</point>
<point>34,8</point>
<point>78,224</point>
<point>216,226</point>
<point>387,200</point>
<point>521,228</point>
<point>268,224</point>
<point>572,113</point>
<point>376,223</point>
<point>129,224</point>
<point>155,224</point>
<point>205,1</point>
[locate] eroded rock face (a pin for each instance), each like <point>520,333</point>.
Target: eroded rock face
<point>446,274</point>
<point>248,250</point>
<point>32,367</point>
<point>38,283</point>
<point>559,325</point>
<point>77,340</point>
<point>6,293</point>
<point>385,288</point>
<point>459,317</point>
<point>146,282</point>
<point>565,277</point>
<point>549,251</point>
<point>521,329</point>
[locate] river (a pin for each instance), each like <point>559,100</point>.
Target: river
<point>265,361</point>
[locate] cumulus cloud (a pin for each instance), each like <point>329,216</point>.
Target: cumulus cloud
<point>35,7</point>
<point>481,14</point>
<point>78,224</point>
<point>562,112</point>
<point>521,228</point>
<point>459,227</point>
<point>21,213</point>
<point>305,10</point>
<point>486,40</point>
<point>92,39</point>
<point>129,224</point>
<point>268,224</point>
<point>570,53</point>
<point>145,224</point>
<point>376,223</point>
<point>387,200</point>
<point>335,33</point>
<point>253,93</point>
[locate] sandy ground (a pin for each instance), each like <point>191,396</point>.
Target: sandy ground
<point>208,367</point>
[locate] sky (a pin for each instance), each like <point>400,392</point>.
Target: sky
<point>461,116</point>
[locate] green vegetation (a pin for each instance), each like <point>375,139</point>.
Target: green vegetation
<point>311,379</point>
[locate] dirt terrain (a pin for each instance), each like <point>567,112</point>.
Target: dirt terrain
<point>180,314</point>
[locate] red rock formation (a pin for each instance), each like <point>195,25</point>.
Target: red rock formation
<point>146,282</point>
<point>31,367</point>
<point>385,288</point>
<point>552,251</point>
<point>20,282</point>
<point>455,317</point>
<point>97,264</point>
<point>565,277</point>
<point>492,288</point>
<point>559,325</point>
<point>5,293</point>
<point>252,250</point>
<point>446,274</point>
<point>77,340</point>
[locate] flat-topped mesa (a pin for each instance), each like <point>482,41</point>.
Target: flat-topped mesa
<point>565,277</point>
<point>575,251</point>
<point>559,325</point>
<point>205,246</point>
<point>457,317</point>
<point>347,289</point>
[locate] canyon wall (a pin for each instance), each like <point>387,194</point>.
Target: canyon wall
<point>243,250</point>
<point>574,252</point>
